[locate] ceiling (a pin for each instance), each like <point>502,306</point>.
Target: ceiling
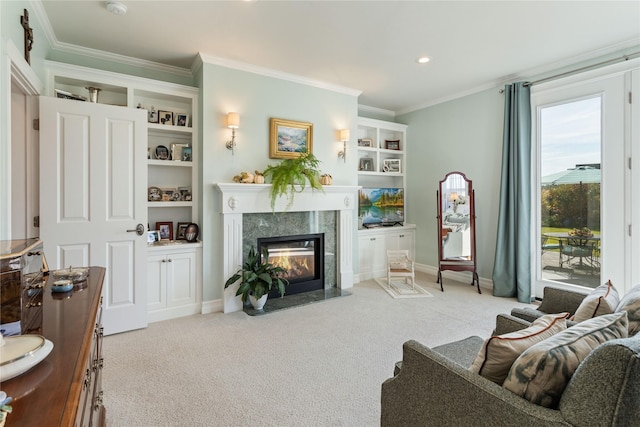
<point>370,46</point>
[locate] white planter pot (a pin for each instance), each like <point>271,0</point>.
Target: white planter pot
<point>258,303</point>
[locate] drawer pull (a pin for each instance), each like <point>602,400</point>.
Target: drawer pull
<point>33,304</point>
<point>99,399</point>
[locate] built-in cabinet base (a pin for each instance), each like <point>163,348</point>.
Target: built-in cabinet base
<point>373,244</point>
<point>173,274</point>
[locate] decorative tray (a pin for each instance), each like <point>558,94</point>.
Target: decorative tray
<point>75,274</point>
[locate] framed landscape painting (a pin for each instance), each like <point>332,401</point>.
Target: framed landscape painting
<point>290,139</point>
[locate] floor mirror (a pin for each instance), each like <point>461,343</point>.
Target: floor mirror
<point>456,227</point>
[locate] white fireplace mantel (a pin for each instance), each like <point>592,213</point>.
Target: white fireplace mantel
<point>239,199</point>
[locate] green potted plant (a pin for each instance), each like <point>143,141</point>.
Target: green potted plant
<point>257,278</point>
<point>291,175</point>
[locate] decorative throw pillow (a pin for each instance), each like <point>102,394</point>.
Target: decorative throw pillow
<point>631,304</point>
<point>542,372</point>
<point>499,352</point>
<point>602,300</point>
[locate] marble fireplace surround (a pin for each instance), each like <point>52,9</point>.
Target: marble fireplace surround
<point>239,199</point>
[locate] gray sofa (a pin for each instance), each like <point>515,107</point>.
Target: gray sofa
<point>434,387</point>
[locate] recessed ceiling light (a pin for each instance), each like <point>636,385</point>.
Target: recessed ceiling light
<point>422,60</point>
<point>116,7</point>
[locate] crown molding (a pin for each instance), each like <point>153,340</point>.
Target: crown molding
<point>250,68</point>
<point>376,110</point>
<point>532,74</point>
<point>98,54</point>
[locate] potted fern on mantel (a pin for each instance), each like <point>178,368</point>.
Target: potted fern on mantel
<point>257,278</point>
<point>291,175</point>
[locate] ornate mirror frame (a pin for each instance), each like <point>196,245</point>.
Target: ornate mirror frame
<point>456,221</point>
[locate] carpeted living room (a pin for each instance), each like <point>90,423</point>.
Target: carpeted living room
<point>444,191</point>
<point>320,364</point>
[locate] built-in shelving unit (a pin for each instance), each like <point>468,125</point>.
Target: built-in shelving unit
<point>174,174</point>
<point>382,151</point>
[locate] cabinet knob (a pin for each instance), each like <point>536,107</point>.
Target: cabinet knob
<point>402,235</point>
<point>372,239</point>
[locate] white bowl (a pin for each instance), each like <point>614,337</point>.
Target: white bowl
<point>20,353</point>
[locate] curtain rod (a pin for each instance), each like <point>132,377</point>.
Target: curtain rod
<point>579,70</point>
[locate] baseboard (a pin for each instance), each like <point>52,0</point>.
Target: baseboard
<point>460,276</point>
<point>212,306</point>
<point>173,312</point>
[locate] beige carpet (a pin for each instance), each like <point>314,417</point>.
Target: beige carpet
<point>400,289</point>
<point>316,365</point>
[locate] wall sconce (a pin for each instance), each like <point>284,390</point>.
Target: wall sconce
<point>344,137</point>
<point>233,122</point>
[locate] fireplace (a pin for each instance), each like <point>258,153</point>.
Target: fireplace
<point>238,201</point>
<point>303,258</point>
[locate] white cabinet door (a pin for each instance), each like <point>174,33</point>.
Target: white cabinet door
<point>372,256</point>
<point>402,240</point>
<point>181,278</point>
<point>156,282</point>
<point>93,185</point>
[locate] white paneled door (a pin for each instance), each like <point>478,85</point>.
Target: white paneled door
<point>93,200</point>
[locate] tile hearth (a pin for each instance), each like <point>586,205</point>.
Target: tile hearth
<point>277,304</point>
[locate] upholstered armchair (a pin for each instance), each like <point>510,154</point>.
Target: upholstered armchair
<point>434,387</point>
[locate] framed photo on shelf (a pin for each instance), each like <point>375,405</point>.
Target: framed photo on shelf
<point>365,142</point>
<point>290,139</point>
<point>170,195</point>
<point>366,164</point>
<point>182,119</point>
<point>391,165</point>
<point>186,154</point>
<point>181,230</point>
<point>185,194</point>
<point>153,236</point>
<point>165,117</point>
<point>176,151</point>
<point>392,144</point>
<point>153,116</point>
<point>162,152</point>
<point>165,230</point>
<point>154,194</point>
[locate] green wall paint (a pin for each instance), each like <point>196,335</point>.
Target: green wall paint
<point>462,135</point>
<point>258,98</point>
<point>11,29</point>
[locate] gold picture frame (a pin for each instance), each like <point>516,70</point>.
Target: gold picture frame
<point>290,139</point>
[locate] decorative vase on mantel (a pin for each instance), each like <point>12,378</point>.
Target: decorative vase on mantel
<point>259,303</point>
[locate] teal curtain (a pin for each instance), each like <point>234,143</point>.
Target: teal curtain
<point>512,266</point>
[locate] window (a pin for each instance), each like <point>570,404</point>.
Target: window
<point>583,200</point>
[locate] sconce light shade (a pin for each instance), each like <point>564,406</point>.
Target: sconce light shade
<point>453,197</point>
<point>344,137</point>
<point>233,120</point>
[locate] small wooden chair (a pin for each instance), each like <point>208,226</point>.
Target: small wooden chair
<point>400,265</point>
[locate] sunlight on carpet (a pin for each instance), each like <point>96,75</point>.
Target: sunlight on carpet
<point>400,289</point>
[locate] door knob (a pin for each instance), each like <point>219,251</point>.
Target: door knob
<point>139,230</point>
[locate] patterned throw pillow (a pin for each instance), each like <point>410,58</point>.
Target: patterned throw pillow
<point>542,372</point>
<point>499,352</point>
<point>602,300</point>
<point>631,304</point>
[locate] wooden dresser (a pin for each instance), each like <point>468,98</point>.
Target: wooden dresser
<point>65,389</point>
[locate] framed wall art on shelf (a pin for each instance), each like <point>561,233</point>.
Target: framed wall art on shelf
<point>392,144</point>
<point>392,165</point>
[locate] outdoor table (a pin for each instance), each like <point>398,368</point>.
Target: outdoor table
<point>576,246</point>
